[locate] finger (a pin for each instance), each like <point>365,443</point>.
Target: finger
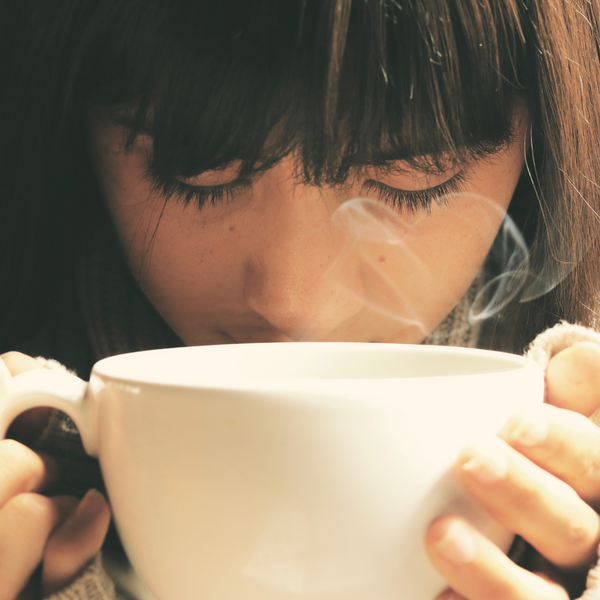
<point>75,542</point>
<point>573,378</point>
<point>18,362</point>
<point>531,502</point>
<point>23,470</point>
<point>26,522</point>
<point>562,442</point>
<point>477,570</point>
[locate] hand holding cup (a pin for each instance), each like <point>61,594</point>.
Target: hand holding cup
<point>280,471</point>
<point>60,531</point>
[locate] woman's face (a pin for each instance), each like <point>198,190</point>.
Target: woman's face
<point>280,260</point>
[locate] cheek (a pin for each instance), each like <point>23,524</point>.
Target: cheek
<point>151,231</point>
<point>423,275</point>
<point>128,196</point>
<point>188,257</point>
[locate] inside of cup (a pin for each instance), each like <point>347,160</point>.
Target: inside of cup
<point>230,363</point>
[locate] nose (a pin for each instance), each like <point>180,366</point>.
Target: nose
<point>301,278</point>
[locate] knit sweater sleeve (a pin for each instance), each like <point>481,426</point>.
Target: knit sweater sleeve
<point>92,584</point>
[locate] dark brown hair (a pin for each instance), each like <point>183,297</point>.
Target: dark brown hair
<point>341,82</point>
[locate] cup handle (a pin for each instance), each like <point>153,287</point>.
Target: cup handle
<point>44,387</point>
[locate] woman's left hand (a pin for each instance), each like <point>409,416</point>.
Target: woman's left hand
<point>541,479</point>
<point>65,532</point>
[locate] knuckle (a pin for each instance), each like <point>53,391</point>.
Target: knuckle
<point>577,538</point>
<point>584,476</point>
<point>524,498</point>
<point>589,468</point>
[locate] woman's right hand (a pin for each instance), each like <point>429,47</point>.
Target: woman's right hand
<point>62,532</point>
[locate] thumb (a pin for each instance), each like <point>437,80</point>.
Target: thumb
<point>75,543</point>
<point>573,378</point>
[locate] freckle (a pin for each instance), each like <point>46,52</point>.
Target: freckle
<point>232,228</point>
<point>382,259</point>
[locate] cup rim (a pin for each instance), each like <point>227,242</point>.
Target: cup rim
<point>115,367</point>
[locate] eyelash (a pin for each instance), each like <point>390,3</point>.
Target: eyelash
<point>199,195</point>
<point>397,198</point>
<point>416,200</point>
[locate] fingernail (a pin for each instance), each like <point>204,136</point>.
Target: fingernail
<point>90,511</point>
<point>89,507</point>
<point>485,461</point>
<point>457,545</point>
<point>525,428</point>
<point>92,503</point>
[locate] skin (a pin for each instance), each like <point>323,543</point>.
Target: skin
<point>549,494</point>
<point>61,531</point>
<point>275,265</point>
<point>278,263</point>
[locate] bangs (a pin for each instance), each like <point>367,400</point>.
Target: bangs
<point>340,83</point>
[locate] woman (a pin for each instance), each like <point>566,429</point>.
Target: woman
<point>192,172</point>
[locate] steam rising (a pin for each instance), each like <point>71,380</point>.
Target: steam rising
<point>510,258</point>
<point>506,275</point>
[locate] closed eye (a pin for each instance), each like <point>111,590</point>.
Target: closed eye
<point>200,190</point>
<point>203,189</point>
<point>415,200</point>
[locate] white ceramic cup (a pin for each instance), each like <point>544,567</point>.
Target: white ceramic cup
<point>300,471</point>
